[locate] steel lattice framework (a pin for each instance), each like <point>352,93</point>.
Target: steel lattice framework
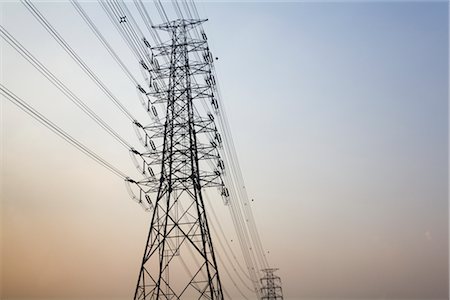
<point>271,285</point>
<point>179,223</point>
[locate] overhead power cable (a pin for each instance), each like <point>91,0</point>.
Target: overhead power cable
<point>147,20</point>
<point>229,249</point>
<point>161,11</point>
<point>103,40</point>
<point>61,86</point>
<point>131,34</point>
<point>50,29</point>
<point>239,178</point>
<point>56,129</point>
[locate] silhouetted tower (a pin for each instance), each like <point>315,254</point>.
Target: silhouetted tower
<point>271,285</point>
<point>179,260</point>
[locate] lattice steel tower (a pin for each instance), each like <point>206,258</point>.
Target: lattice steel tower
<point>271,285</point>
<point>179,260</point>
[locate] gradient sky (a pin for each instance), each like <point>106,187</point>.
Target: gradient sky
<point>340,118</point>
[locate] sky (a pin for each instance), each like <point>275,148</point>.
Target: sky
<point>339,113</point>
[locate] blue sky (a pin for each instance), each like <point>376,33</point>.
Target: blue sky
<point>351,103</point>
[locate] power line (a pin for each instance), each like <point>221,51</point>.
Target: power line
<point>133,39</point>
<point>62,87</point>
<point>229,249</point>
<point>50,29</point>
<point>104,42</point>
<point>57,130</point>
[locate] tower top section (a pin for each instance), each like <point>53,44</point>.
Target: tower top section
<point>183,23</point>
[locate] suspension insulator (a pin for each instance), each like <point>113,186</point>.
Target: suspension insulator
<point>150,82</point>
<point>146,43</point>
<point>211,59</point>
<point>214,103</point>
<point>152,144</point>
<point>221,164</point>
<point>150,171</point>
<point>149,201</point>
<point>128,179</point>
<point>225,192</point>
<point>218,138</point>
<point>155,112</point>
<point>141,89</point>
<point>143,166</point>
<point>144,65</point>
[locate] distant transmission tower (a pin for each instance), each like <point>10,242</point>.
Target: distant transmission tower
<point>271,285</point>
<point>179,260</point>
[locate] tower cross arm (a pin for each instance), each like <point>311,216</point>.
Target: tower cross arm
<point>185,23</point>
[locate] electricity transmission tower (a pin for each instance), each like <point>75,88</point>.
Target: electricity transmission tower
<point>271,285</point>
<point>179,260</point>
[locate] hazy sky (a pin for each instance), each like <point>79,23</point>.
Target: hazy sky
<point>340,118</point>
